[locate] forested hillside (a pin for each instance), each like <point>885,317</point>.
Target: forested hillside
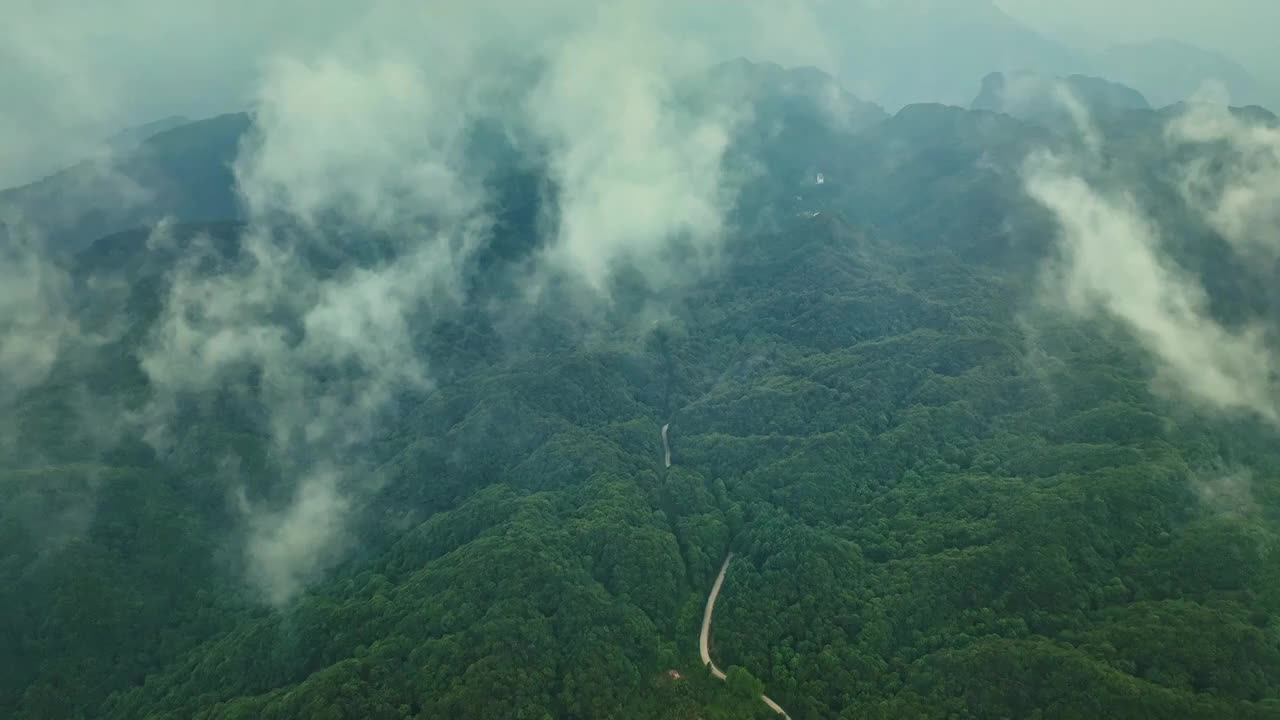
<point>950,492</point>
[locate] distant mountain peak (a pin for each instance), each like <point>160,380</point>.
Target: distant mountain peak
<point>801,89</point>
<point>132,137</point>
<point>1032,96</point>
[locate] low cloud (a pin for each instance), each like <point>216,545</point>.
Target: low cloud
<point>50,481</point>
<point>35,312</point>
<point>362,220</point>
<point>636,171</point>
<point>1080,117</point>
<point>329,354</point>
<point>292,546</point>
<point>43,324</point>
<point>372,143</point>
<point>1110,264</point>
<point>1226,492</point>
<point>367,211</point>
<point>1233,179</point>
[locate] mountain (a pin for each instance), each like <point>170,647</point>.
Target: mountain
<point>183,172</point>
<point>946,493</point>
<point>1027,94</point>
<point>796,115</point>
<point>1057,102</point>
<point>791,98</point>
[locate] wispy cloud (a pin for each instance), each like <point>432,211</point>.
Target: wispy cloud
<point>42,324</point>
<point>1226,491</point>
<point>361,153</point>
<point>1233,178</point>
<point>1112,263</point>
<point>330,353</point>
<point>291,546</point>
<point>637,171</point>
<point>35,313</point>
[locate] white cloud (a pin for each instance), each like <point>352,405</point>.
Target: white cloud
<point>371,143</point>
<point>1111,265</point>
<point>35,313</point>
<point>1234,178</point>
<point>291,547</point>
<point>1080,117</point>
<point>1226,491</point>
<point>636,172</point>
<point>331,353</point>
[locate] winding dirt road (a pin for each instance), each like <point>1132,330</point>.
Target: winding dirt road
<point>704,638</point>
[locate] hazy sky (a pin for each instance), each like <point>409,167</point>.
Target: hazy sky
<point>73,72</point>
<point>1245,29</point>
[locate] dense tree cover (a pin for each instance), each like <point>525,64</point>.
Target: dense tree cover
<point>943,502</point>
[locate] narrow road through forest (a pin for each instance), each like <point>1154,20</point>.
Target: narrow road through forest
<point>704,638</point>
<point>666,447</point>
